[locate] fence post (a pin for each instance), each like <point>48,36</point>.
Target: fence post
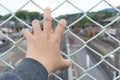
<point>70,72</point>
<point>117,55</point>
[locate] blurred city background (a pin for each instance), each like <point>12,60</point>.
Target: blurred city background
<point>91,40</point>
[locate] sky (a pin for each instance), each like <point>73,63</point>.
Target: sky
<point>65,8</point>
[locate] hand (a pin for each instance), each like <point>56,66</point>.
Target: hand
<point>44,46</point>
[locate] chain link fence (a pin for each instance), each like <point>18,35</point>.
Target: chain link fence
<point>93,48</point>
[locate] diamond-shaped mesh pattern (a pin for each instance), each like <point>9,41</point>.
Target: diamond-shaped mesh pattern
<point>93,56</point>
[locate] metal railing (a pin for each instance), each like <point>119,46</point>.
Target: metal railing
<point>18,43</point>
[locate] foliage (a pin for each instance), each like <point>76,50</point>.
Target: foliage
<point>107,15</point>
<point>86,22</point>
<point>24,15</point>
<point>5,16</point>
<point>35,15</point>
<point>29,16</point>
<point>1,17</point>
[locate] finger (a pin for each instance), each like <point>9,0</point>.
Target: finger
<point>47,21</point>
<point>66,63</point>
<point>28,35</point>
<point>36,27</point>
<point>60,29</point>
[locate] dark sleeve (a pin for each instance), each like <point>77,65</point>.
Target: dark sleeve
<point>27,69</point>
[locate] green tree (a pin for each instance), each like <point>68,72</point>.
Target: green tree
<point>107,15</point>
<point>25,15</point>
<point>6,16</point>
<point>1,17</point>
<point>22,14</point>
<point>84,21</point>
<point>35,15</point>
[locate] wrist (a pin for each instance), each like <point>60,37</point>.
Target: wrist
<point>43,62</point>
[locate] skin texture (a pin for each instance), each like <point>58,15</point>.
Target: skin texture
<point>44,45</point>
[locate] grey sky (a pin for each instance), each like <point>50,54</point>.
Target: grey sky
<point>66,8</point>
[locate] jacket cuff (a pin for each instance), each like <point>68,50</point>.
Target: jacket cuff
<point>30,69</point>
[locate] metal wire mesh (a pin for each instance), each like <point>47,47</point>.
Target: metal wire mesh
<point>71,54</point>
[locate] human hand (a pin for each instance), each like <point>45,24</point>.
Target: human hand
<point>44,46</point>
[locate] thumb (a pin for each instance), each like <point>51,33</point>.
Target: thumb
<point>66,63</point>
<point>27,35</point>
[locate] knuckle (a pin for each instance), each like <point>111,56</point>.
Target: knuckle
<point>61,24</point>
<point>47,19</point>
